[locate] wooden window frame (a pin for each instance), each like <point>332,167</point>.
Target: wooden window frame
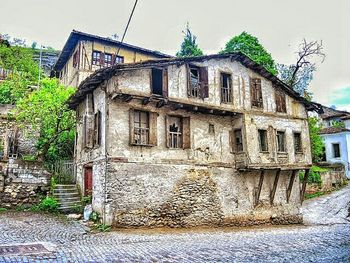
<point>185,132</point>
<point>334,152</point>
<point>261,148</point>
<point>256,96</point>
<point>226,97</point>
<point>284,141</point>
<point>201,90</point>
<point>164,81</point>
<point>108,62</point>
<point>151,130</point>
<point>298,150</point>
<point>96,60</point>
<point>119,58</point>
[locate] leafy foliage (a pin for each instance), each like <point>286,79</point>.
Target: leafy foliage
<point>189,47</point>
<point>338,124</point>
<point>24,74</point>
<point>250,46</point>
<point>317,144</point>
<point>45,110</point>
<point>48,204</point>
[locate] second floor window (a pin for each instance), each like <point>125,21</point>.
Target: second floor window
<point>119,59</point>
<point>198,82</point>
<point>263,145</point>
<point>238,141</point>
<point>226,88</point>
<point>96,58</point>
<point>280,99</point>
<point>256,93</point>
<point>108,60</point>
<point>75,59</point>
<point>281,141</point>
<point>159,81</point>
<point>297,142</point>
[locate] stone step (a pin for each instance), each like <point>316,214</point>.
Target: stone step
<point>65,190</point>
<point>73,186</point>
<point>69,203</point>
<point>68,199</point>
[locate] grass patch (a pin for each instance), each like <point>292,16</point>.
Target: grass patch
<point>3,209</point>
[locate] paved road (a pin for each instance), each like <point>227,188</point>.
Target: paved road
<point>70,242</point>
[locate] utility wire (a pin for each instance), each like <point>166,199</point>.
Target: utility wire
<point>127,25</point>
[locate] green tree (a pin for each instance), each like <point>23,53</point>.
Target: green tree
<point>317,144</point>
<point>24,73</point>
<point>250,46</point>
<point>45,110</point>
<point>189,47</point>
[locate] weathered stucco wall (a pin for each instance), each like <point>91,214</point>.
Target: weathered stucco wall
<point>154,195</point>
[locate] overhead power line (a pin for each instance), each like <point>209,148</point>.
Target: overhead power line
<point>127,25</point>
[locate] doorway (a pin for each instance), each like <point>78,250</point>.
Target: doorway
<point>88,181</point>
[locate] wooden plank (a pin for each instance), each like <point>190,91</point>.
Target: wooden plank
<point>302,193</point>
<point>291,182</point>
<point>146,100</point>
<point>275,183</point>
<point>258,191</point>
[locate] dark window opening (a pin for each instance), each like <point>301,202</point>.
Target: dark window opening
<point>211,128</point>
<point>226,88</point>
<point>256,93</point>
<point>96,58</point>
<point>336,150</point>
<point>108,60</point>
<point>281,141</point>
<point>75,59</point>
<point>263,140</point>
<point>198,82</point>
<point>97,128</point>
<point>157,81</point>
<point>13,143</point>
<point>324,156</point>
<point>194,82</point>
<point>297,142</point>
<point>141,127</point>
<point>238,141</point>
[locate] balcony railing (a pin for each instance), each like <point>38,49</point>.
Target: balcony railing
<point>226,95</point>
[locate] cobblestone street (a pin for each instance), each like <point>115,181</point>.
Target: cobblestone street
<point>69,241</point>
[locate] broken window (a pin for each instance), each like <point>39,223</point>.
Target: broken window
<point>256,93</point>
<point>280,141</point>
<point>297,142</point>
<point>159,81</point>
<point>336,150</point>
<point>174,129</point>
<point>226,88</point>
<point>119,59</point>
<point>263,140</point>
<point>280,98</point>
<point>238,141</point>
<point>97,128</point>
<point>178,132</point>
<point>75,59</point>
<point>198,82</point>
<point>96,58</point>
<point>141,127</point>
<point>107,60</point>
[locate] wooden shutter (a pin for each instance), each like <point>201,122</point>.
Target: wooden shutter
<point>89,131</point>
<point>165,83</point>
<point>203,78</point>
<point>188,70</point>
<point>153,128</point>
<point>97,128</point>
<point>167,131</point>
<point>252,91</point>
<point>232,141</point>
<point>131,126</point>
<point>186,128</point>
<point>259,92</point>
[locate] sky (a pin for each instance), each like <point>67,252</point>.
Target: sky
<point>280,25</point>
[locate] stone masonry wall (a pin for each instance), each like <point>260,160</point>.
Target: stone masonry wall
<point>24,183</point>
<point>151,195</point>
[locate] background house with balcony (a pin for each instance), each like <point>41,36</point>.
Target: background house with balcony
<point>84,53</point>
<point>211,140</point>
<point>336,135</point>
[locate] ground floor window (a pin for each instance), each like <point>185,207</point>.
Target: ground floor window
<point>336,150</point>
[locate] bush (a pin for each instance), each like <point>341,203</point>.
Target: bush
<point>48,204</point>
<point>2,209</point>
<point>314,175</point>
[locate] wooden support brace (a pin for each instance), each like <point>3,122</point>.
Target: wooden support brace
<point>258,191</point>
<point>291,182</point>
<point>275,183</point>
<point>160,103</point>
<point>306,176</point>
<point>178,106</point>
<point>127,98</point>
<point>146,100</point>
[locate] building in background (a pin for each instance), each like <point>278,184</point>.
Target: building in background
<point>85,53</point>
<point>336,135</point>
<point>211,140</point>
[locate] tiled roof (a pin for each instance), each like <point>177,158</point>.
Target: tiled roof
<point>332,130</point>
<point>332,113</point>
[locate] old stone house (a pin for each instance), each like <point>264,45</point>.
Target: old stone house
<point>85,53</point>
<point>211,140</point>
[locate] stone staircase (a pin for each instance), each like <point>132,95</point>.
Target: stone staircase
<point>67,196</point>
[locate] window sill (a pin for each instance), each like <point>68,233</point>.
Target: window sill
<point>264,152</point>
<point>282,153</point>
<point>299,153</point>
<point>143,145</point>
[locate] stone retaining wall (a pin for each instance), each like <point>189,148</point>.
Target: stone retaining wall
<point>24,183</point>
